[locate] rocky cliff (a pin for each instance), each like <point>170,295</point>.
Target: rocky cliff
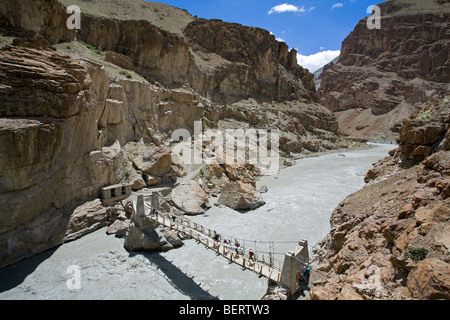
<point>318,75</point>
<point>64,126</point>
<point>390,240</point>
<point>80,115</point>
<point>237,67</point>
<point>384,75</point>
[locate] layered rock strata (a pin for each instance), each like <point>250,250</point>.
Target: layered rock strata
<point>385,75</point>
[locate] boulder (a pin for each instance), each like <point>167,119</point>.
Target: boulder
<point>190,197</point>
<point>239,195</point>
<point>87,218</point>
<point>171,237</point>
<point>152,181</point>
<point>232,171</point>
<point>119,228</point>
<point>133,178</point>
<point>320,293</point>
<point>430,279</point>
<point>349,293</point>
<point>154,161</point>
<point>146,234</point>
<point>149,239</point>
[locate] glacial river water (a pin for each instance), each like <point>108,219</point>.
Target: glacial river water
<point>299,202</point>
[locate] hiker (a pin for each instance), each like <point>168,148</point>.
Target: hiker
<point>216,236</point>
<point>174,218</point>
<point>300,279</point>
<point>251,254</point>
<point>307,271</point>
<point>237,244</point>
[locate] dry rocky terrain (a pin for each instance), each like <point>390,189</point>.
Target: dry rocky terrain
<point>390,240</point>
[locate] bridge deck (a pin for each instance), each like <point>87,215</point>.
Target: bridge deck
<point>264,266</point>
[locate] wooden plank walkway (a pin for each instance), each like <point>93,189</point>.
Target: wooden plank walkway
<point>263,265</point>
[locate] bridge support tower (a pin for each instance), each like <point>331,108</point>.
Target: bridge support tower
<point>294,262</point>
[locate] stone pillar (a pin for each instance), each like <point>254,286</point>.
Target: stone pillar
<point>139,215</point>
<point>288,273</point>
<point>106,193</point>
<point>155,200</point>
<point>118,190</point>
<point>303,253</point>
<point>294,262</point>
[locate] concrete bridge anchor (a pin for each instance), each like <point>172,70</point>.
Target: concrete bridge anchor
<point>294,262</point>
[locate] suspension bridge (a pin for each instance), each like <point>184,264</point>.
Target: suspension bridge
<point>263,264</point>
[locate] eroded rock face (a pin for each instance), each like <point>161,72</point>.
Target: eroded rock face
<point>391,71</point>
<point>225,61</point>
<point>64,131</point>
<point>37,17</point>
<point>48,133</point>
<point>248,62</point>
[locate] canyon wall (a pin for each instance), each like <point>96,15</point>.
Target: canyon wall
<point>390,240</point>
<point>238,67</point>
<point>64,124</point>
<point>384,75</point>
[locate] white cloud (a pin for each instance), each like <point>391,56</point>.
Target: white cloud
<point>337,5</point>
<point>311,9</point>
<point>317,60</point>
<point>285,7</point>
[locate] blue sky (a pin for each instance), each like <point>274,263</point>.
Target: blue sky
<point>316,28</point>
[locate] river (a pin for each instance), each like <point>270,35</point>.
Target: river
<point>299,202</point>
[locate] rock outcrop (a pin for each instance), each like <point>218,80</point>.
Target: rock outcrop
<point>237,68</point>
<point>87,217</point>
<point>384,75</point>
<point>318,75</point>
<point>146,234</point>
<point>390,239</point>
